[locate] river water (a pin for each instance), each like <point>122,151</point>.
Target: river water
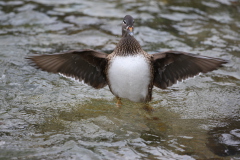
<point>47,116</point>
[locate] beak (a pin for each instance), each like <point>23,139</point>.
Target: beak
<point>130,29</point>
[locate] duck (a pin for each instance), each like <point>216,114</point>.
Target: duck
<point>129,71</point>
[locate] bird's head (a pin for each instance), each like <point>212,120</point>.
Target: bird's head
<point>127,26</point>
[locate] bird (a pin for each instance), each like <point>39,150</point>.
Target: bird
<point>129,71</point>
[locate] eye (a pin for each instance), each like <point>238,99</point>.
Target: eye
<point>124,22</point>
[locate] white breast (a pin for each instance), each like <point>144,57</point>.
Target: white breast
<point>129,77</point>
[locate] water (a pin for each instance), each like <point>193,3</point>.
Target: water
<point>46,116</point>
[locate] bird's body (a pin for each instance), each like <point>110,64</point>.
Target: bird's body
<point>129,77</point>
<point>129,71</point>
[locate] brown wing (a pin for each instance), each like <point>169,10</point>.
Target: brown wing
<point>173,66</point>
<point>86,65</point>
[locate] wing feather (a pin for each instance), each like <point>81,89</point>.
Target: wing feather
<point>86,65</point>
<point>173,66</point>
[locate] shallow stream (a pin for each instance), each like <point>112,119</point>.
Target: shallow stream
<point>47,116</point>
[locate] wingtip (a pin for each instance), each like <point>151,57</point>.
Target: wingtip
<point>31,62</point>
<point>223,62</point>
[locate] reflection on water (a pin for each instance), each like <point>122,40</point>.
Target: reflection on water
<point>46,116</point>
